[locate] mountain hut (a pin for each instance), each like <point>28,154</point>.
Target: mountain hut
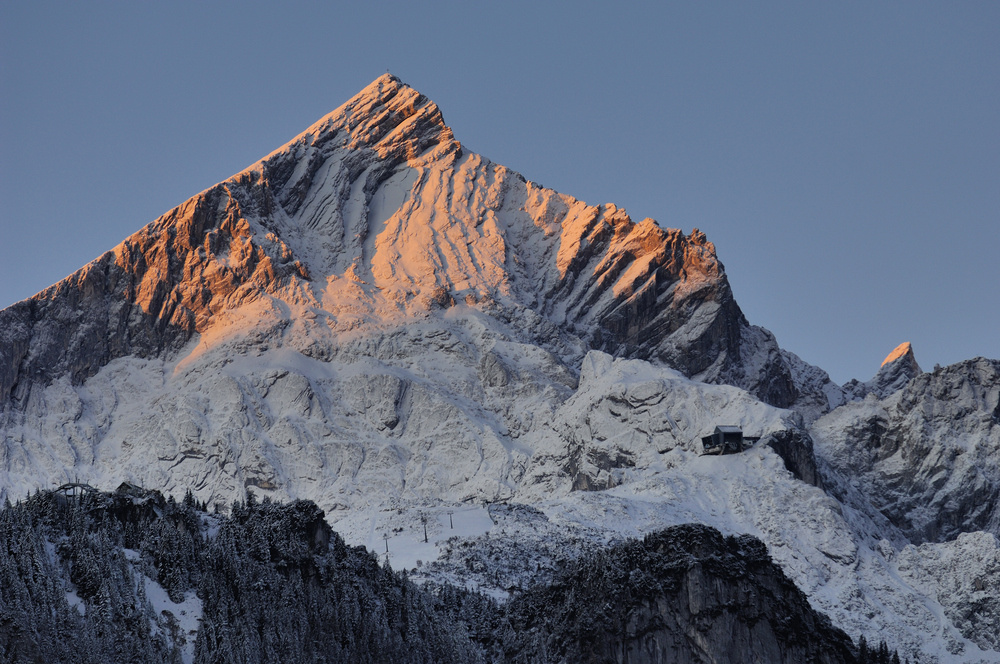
<point>726,439</point>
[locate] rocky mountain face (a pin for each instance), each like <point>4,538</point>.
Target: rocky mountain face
<point>403,275</point>
<point>928,455</point>
<point>379,194</point>
<point>684,595</point>
<point>376,319</point>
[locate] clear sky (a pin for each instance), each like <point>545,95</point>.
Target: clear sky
<point>844,157</point>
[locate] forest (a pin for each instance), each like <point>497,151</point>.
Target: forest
<point>132,576</point>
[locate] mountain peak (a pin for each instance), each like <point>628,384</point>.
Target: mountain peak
<point>372,215</point>
<point>898,368</point>
<point>388,116</point>
<point>900,352</point>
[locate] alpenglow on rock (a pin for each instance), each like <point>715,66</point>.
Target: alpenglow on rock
<point>898,368</point>
<point>379,193</point>
<point>333,248</point>
<point>379,321</point>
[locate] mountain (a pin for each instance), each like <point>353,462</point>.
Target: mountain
<point>897,369</point>
<point>377,320</point>
<point>371,239</point>
<point>928,453</point>
<point>160,581</point>
<point>380,194</point>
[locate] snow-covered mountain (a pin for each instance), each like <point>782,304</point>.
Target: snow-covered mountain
<point>928,454</point>
<point>376,319</point>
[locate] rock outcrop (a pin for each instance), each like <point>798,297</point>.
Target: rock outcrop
<point>686,594</point>
<point>928,455</point>
<point>795,448</point>
<point>898,368</point>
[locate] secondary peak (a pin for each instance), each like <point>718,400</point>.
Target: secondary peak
<point>900,351</point>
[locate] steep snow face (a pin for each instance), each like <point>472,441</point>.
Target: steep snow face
<point>624,417</point>
<point>424,408</point>
<point>818,394</point>
<point>929,454</point>
<point>963,576</point>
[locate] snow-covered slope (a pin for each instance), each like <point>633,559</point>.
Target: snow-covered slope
<point>374,318</point>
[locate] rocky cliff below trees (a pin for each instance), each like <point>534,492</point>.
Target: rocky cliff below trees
<point>683,595</point>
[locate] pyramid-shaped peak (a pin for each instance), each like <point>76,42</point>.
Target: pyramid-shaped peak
<point>380,93</point>
<point>387,114</point>
<point>898,368</point>
<point>903,350</point>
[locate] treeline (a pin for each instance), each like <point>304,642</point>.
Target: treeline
<point>78,575</point>
<point>879,654</point>
<point>275,584</point>
<point>57,554</point>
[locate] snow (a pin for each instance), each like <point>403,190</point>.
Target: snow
<point>405,529</point>
<point>76,601</point>
<point>185,616</point>
<point>244,407</point>
<point>438,358</point>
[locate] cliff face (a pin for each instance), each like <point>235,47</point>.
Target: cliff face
<point>928,455</point>
<point>145,298</point>
<point>371,238</point>
<point>686,594</point>
<point>379,193</point>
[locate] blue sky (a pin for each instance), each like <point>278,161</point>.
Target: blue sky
<point>844,157</point>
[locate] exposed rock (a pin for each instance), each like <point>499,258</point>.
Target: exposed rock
<point>627,414</point>
<point>898,368</point>
<point>964,576</point>
<point>796,449</point>
<point>334,247</point>
<point>928,455</point>
<point>686,594</point>
<point>145,298</point>
<point>817,394</point>
<point>369,193</point>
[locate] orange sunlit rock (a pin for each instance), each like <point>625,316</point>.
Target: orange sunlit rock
<point>899,351</point>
